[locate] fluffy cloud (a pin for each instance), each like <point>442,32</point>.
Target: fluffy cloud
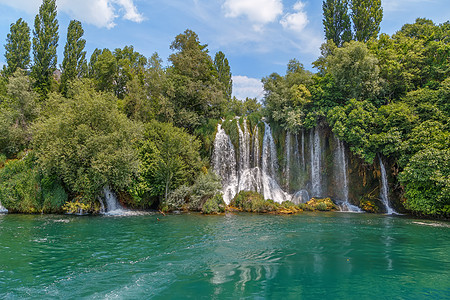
<point>295,21</point>
<point>244,86</point>
<point>100,13</point>
<point>259,12</point>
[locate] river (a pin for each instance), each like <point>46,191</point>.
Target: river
<point>305,256</point>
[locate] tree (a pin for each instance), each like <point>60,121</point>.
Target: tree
<point>169,158</point>
<point>366,16</point>
<point>17,48</point>
<point>86,142</point>
<point>45,42</point>
<point>196,93</point>
<point>355,71</point>
<point>19,109</point>
<point>336,21</point>
<point>74,64</point>
<point>224,73</point>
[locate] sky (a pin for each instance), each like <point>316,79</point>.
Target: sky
<point>258,37</point>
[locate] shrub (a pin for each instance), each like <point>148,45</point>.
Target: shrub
<point>214,205</point>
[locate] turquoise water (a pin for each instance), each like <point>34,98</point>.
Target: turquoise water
<point>307,256</point>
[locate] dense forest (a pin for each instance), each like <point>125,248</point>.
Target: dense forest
<point>123,121</point>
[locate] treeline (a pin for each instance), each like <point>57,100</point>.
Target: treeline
<point>117,120</point>
<point>383,95</point>
<point>127,122</point>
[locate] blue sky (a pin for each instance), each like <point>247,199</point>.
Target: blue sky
<point>257,36</point>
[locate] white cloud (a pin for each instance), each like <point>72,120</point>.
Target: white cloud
<point>101,13</point>
<point>258,12</point>
<point>244,86</point>
<point>295,21</point>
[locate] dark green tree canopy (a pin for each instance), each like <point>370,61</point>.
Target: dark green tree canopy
<point>224,73</point>
<point>17,48</point>
<point>45,42</point>
<point>336,21</point>
<point>366,17</point>
<point>74,64</point>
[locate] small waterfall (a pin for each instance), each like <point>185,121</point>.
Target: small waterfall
<point>244,147</point>
<point>384,192</point>
<point>3,210</point>
<point>256,152</point>
<point>271,188</point>
<point>303,149</point>
<point>343,177</point>
<point>224,164</point>
<point>301,196</point>
<point>288,159</point>
<point>315,162</point>
<point>113,206</point>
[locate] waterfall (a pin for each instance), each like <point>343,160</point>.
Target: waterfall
<point>224,164</point>
<point>385,189</point>
<point>3,210</point>
<point>113,206</point>
<point>244,147</point>
<point>256,152</point>
<point>288,159</point>
<point>343,177</point>
<point>271,188</point>
<point>303,149</point>
<point>301,196</point>
<point>315,162</point>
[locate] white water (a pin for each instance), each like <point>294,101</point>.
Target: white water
<point>224,164</point>
<point>343,177</point>
<point>288,159</point>
<point>316,154</point>
<point>384,191</point>
<point>301,196</point>
<point>3,210</point>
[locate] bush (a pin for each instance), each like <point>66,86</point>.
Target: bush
<point>23,189</point>
<point>253,202</point>
<point>369,206</point>
<point>324,204</point>
<point>214,205</point>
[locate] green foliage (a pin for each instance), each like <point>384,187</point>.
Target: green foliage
<point>86,142</point>
<point>355,72</point>
<point>336,21</point>
<point>354,123</point>
<point>324,204</point>
<point>74,64</point>
<point>45,42</point>
<point>19,110</point>
<point>23,189</point>
<point>169,158</point>
<point>197,94</point>
<point>17,48</point>
<point>287,97</point>
<point>214,205</point>
<point>369,206</point>
<point>205,189</point>
<point>223,73</point>
<point>427,182</point>
<point>253,202</point>
<point>366,16</point>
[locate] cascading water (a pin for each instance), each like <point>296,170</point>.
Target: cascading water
<point>3,210</point>
<point>303,149</point>
<point>301,196</point>
<point>316,154</point>
<point>288,159</point>
<point>113,206</point>
<point>244,147</point>
<point>384,191</point>
<point>224,164</point>
<point>343,177</point>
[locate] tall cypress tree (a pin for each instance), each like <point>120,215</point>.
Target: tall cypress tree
<point>337,21</point>
<point>224,73</point>
<point>17,48</point>
<point>74,63</point>
<point>45,42</point>
<point>366,17</point>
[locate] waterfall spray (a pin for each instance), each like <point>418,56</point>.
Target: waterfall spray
<point>384,191</point>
